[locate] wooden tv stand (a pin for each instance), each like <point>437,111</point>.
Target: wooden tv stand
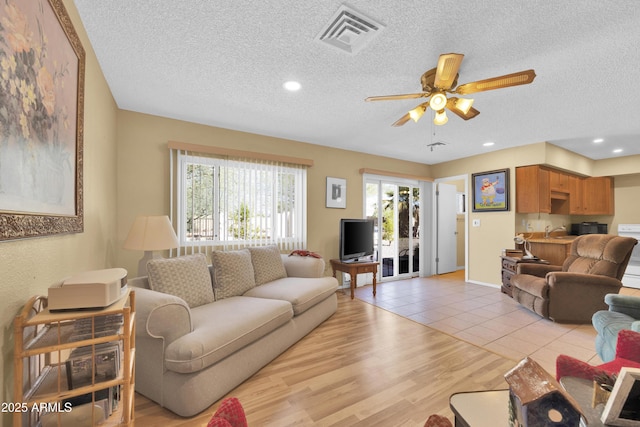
<point>355,268</point>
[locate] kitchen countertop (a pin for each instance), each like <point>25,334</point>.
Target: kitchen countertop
<point>554,240</point>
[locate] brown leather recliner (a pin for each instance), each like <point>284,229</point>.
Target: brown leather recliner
<point>572,292</point>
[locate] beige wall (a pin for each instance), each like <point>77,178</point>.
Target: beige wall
<point>497,229</point>
<point>143,174</point>
<point>30,266</point>
<point>126,174</point>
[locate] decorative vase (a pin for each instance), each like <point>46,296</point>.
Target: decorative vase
<point>601,394</point>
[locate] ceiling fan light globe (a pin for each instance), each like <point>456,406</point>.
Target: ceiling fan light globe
<point>438,101</point>
<point>464,105</point>
<point>440,118</point>
<point>416,113</point>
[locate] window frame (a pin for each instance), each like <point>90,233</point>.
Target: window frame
<point>220,233</point>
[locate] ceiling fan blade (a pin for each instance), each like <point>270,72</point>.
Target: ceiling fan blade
<point>402,120</point>
<point>394,97</point>
<point>447,70</point>
<point>451,106</point>
<point>508,80</point>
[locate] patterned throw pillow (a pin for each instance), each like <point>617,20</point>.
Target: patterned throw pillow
<point>186,277</point>
<point>232,273</point>
<point>267,264</point>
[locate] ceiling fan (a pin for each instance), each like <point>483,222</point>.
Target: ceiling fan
<point>439,81</point>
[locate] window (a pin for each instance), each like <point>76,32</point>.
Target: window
<point>234,203</point>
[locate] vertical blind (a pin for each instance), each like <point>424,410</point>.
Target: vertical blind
<point>222,203</point>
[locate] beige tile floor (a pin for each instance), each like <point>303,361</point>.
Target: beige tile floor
<point>484,316</point>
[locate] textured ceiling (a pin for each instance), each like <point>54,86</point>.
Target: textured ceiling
<point>223,63</point>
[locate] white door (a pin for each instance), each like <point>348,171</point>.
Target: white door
<point>446,234</point>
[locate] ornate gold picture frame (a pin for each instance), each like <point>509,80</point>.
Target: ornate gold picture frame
<point>42,68</point>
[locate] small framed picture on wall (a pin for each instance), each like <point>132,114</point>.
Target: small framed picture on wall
<point>336,193</point>
<point>491,191</point>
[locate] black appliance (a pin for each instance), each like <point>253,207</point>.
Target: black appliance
<point>588,228</point>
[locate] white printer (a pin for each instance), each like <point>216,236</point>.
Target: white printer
<point>88,290</point>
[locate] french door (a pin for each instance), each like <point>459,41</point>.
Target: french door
<point>395,205</point>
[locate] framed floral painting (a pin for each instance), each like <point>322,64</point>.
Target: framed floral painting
<point>42,66</point>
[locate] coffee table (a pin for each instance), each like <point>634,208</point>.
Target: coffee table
<point>491,408</point>
<point>480,408</point>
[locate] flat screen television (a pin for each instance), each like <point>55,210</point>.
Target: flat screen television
<point>356,239</point>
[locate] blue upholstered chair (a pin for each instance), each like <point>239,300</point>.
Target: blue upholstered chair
<point>623,313</point>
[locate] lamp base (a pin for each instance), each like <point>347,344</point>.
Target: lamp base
<point>142,264</point>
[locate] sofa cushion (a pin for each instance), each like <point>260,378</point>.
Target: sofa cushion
<point>232,273</point>
<point>302,293</point>
<point>223,327</point>
<point>267,264</point>
<point>186,277</point>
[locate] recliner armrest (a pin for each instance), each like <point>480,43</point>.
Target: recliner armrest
<point>534,269</point>
<point>160,315</point>
<point>565,278</point>
<point>627,304</point>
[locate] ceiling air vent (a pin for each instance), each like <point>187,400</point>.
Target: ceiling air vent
<point>349,30</point>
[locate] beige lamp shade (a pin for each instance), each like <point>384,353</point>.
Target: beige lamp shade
<point>151,233</point>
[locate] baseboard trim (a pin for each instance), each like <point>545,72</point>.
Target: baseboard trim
<point>491,285</point>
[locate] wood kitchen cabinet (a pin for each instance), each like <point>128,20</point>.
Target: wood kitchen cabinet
<point>555,251</point>
<point>533,193</point>
<point>598,196</point>
<point>576,195</point>
<point>558,181</point>
<point>545,190</point>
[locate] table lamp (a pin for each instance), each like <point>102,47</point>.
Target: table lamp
<point>150,234</point>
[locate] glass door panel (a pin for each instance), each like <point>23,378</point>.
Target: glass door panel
<point>372,210</point>
<point>415,229</point>
<point>389,231</point>
<point>396,207</point>
<point>404,224</point>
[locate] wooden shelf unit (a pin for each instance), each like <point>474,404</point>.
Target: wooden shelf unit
<point>44,342</point>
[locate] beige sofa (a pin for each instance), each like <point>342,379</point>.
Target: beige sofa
<point>194,346</point>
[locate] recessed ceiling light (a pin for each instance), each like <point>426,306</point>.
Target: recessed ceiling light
<point>598,140</point>
<point>292,86</point>
<point>618,150</point>
<point>488,144</point>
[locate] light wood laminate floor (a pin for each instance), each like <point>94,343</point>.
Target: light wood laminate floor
<point>395,359</point>
<point>362,367</point>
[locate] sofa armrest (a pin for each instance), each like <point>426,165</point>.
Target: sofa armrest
<point>139,282</point>
<point>160,315</point>
<point>627,304</point>
<point>534,269</point>
<point>303,266</point>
